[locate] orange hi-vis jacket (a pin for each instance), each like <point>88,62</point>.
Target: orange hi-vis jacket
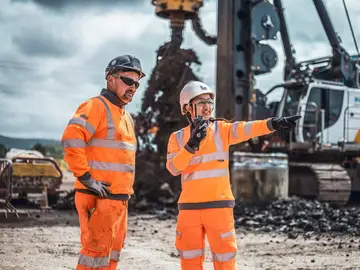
<point>99,142</point>
<point>205,174</point>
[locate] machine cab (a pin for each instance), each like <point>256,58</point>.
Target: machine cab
<point>330,112</point>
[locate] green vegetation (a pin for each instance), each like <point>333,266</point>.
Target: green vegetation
<point>25,143</point>
<point>50,148</point>
<point>3,151</point>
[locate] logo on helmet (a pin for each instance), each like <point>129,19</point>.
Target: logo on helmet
<point>113,62</point>
<point>203,87</point>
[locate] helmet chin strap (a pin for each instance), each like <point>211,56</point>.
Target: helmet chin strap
<point>189,118</point>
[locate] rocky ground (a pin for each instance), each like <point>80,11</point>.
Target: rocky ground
<point>50,240</point>
<point>287,234</point>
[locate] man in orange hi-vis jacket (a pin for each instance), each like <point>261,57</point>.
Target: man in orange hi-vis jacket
<point>100,145</point>
<point>199,152</point>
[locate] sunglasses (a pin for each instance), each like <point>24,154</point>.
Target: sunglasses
<point>127,81</point>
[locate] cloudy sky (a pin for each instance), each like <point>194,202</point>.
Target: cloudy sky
<point>53,52</point>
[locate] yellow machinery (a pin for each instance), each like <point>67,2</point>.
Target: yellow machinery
<point>25,173</point>
<point>31,175</point>
<point>171,9</point>
<point>177,11</point>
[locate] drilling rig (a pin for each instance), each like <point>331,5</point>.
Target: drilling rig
<point>323,150</point>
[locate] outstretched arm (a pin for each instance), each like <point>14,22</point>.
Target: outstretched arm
<point>242,131</point>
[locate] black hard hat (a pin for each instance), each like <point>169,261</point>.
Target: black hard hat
<point>124,63</point>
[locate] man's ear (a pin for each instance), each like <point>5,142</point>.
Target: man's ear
<point>110,81</point>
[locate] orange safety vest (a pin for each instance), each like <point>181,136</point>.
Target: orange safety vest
<point>205,174</point>
<point>99,142</point>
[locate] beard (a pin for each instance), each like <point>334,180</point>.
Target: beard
<point>127,96</point>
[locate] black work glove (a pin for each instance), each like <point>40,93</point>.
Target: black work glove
<point>100,188</point>
<point>288,122</point>
<point>198,133</point>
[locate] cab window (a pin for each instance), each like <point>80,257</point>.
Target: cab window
<point>322,98</point>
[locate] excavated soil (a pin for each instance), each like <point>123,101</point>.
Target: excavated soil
<point>50,240</point>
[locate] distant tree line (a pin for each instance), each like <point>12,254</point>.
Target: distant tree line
<point>54,151</point>
<point>3,151</point>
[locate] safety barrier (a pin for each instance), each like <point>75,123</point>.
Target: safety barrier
<point>6,187</point>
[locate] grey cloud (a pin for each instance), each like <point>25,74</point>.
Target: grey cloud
<point>37,34</point>
<point>19,73</point>
<point>5,91</point>
<point>305,26</point>
<point>25,123</point>
<point>61,5</point>
<point>43,42</point>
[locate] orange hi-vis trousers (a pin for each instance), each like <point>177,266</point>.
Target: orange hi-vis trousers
<point>218,225</point>
<point>103,225</point>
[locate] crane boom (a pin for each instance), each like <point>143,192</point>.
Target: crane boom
<point>342,66</point>
<point>290,61</point>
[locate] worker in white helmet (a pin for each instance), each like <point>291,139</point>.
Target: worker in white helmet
<point>199,152</point>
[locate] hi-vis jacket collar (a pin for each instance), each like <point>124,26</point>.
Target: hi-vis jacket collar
<point>110,96</point>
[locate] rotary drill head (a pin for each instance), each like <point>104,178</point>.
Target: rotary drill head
<point>177,11</point>
<point>188,9</point>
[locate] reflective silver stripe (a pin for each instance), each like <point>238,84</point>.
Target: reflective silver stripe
<point>209,157</point>
<point>73,143</point>
<point>110,134</point>
<point>224,257</point>
<point>115,255</point>
<point>212,126</point>
<point>179,137</point>
<point>112,144</point>
<point>111,166</point>
<point>247,129</point>
<point>170,156</point>
<point>131,120</point>
<point>190,254</point>
<point>173,169</point>
<point>217,138</point>
<point>205,174</point>
<point>93,262</point>
<point>82,122</point>
<point>223,235</point>
<point>234,132</point>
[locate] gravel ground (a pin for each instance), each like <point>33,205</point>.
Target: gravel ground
<point>50,240</point>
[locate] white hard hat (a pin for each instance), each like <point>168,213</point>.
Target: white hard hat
<point>193,89</point>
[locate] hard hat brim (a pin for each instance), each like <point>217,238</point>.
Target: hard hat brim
<point>123,69</point>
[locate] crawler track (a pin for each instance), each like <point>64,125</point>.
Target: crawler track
<point>326,182</point>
